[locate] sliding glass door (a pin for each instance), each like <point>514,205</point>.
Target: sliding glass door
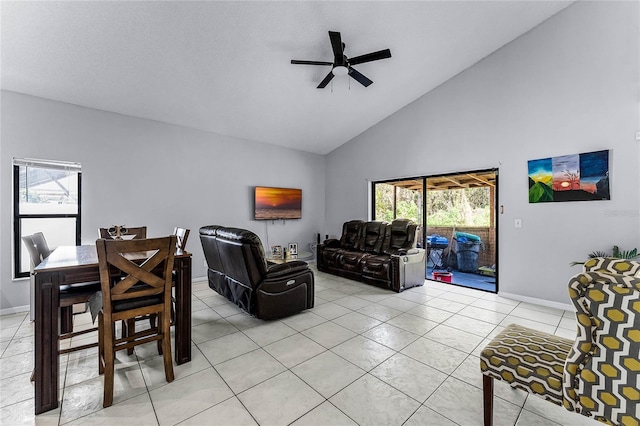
<point>457,215</point>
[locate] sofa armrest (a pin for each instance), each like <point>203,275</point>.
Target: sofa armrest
<point>288,268</point>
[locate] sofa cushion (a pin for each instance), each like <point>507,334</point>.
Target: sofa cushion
<point>376,267</point>
<point>351,260</point>
<point>350,234</point>
<point>372,236</point>
<point>401,236</point>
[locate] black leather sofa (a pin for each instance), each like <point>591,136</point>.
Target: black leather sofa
<point>379,253</point>
<point>238,270</point>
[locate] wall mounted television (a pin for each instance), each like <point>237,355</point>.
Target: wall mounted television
<point>277,203</point>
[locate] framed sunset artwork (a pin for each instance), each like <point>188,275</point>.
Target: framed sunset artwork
<point>578,177</point>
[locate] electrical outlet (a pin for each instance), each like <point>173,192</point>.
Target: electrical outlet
<point>517,223</point>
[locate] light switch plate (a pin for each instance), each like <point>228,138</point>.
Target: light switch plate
<point>518,223</point>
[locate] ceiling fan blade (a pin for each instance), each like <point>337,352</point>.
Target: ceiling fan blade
<point>336,45</point>
<point>326,81</point>
<point>295,61</point>
<point>374,56</point>
<point>359,77</point>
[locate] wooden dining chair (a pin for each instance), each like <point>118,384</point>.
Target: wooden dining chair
<point>182,234</point>
<point>70,295</point>
<point>139,233</point>
<point>142,287</point>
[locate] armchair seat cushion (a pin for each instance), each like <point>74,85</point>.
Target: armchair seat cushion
<point>527,359</point>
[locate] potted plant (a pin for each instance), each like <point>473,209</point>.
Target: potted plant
<point>616,254</point>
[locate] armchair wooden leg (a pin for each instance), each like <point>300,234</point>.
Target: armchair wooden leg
<point>487,396</point>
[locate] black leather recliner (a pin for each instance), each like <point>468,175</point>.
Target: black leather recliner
<point>238,270</point>
<point>378,253</point>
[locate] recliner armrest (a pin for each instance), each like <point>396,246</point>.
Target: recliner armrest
<point>288,268</point>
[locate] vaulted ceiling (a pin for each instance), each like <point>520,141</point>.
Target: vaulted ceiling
<point>224,66</point>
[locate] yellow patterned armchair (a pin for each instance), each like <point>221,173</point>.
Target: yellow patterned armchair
<point>598,374</point>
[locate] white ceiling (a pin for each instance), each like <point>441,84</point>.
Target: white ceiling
<point>224,66</point>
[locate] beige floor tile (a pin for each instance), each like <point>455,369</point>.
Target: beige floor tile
<point>481,314</point>
<point>303,320</point>
<point>412,323</point>
<point>352,302</point>
<point>269,332</point>
<point>370,401</point>
<point>135,411</point>
<point>228,413</point>
<point>357,322</point>
<point>227,347</point>
<point>409,376</point>
<point>204,315</point>
<point>527,418</point>
<point>211,330</point>
<point>455,338</point>
<point>426,416</point>
<point>329,334</point>
<point>363,352</point>
<point>379,312</point>
<point>445,305</point>
<point>249,369</point>
<point>430,313</point>
<point>153,368</point>
<point>330,310</point>
<point>243,321</point>
<point>87,397</point>
<point>470,325</point>
<point>399,304</point>
<point>531,323</point>
<point>293,350</point>
<point>446,401</point>
<point>22,414</point>
<point>328,373</point>
<point>15,365</point>
<point>441,357</point>
<point>392,337</point>
<point>323,415</point>
<point>184,398</point>
<point>292,397</point>
<point>15,389</point>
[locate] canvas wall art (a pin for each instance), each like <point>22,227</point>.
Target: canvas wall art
<point>578,177</point>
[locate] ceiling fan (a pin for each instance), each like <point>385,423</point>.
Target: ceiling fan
<point>342,65</point>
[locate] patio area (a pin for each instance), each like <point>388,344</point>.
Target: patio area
<point>466,279</point>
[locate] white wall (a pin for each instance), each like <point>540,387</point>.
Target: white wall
<point>141,172</point>
<point>571,85</point>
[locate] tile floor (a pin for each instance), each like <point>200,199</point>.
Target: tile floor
<point>361,356</point>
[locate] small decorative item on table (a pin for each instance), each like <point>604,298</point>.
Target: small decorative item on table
<point>117,231</point>
<point>293,249</point>
<point>276,252</point>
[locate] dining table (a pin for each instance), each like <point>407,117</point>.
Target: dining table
<point>79,264</point>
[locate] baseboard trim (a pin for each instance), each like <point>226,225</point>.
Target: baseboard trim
<point>15,310</point>
<point>536,301</point>
<point>198,279</point>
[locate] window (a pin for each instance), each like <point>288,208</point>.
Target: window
<point>46,198</point>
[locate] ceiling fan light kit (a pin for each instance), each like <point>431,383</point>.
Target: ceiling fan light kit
<point>342,65</point>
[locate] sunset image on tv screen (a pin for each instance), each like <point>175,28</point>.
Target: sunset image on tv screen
<point>278,203</point>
